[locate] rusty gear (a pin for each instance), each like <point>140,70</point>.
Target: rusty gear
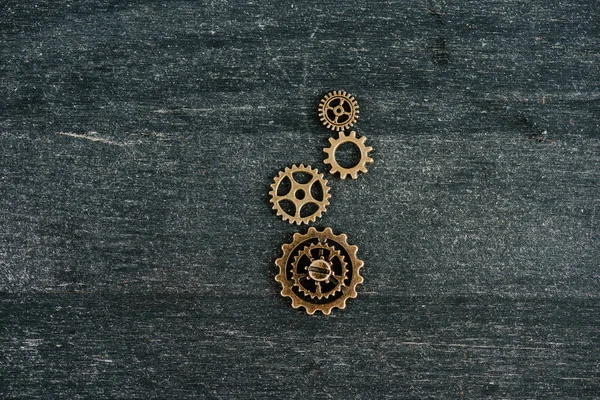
<point>299,194</point>
<point>338,110</point>
<point>319,270</point>
<point>361,166</point>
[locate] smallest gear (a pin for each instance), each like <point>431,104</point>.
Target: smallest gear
<point>338,110</point>
<point>361,166</point>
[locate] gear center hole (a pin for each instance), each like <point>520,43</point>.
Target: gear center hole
<point>300,194</point>
<point>348,155</point>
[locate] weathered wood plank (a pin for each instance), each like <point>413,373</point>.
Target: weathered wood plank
<point>137,143</point>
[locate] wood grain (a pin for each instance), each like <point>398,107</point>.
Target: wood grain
<point>137,145</point>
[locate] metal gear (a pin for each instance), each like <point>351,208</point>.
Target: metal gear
<point>302,271</point>
<point>338,110</point>
<point>361,166</point>
<point>299,194</point>
<point>319,270</point>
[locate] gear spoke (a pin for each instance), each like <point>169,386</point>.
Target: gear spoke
<point>287,196</point>
<point>294,181</point>
<point>303,275</point>
<point>314,179</point>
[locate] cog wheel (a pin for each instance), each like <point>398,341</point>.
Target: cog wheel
<point>361,166</point>
<point>299,194</point>
<point>319,270</point>
<point>338,110</point>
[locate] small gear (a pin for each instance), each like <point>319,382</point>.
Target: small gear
<point>361,166</point>
<point>300,194</point>
<point>319,270</point>
<point>338,110</point>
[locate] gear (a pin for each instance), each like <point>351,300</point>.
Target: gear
<point>321,275</point>
<point>299,194</point>
<point>338,110</point>
<point>361,166</point>
<point>319,270</point>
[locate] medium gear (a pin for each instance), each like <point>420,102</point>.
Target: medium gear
<point>299,194</point>
<point>338,110</point>
<point>319,270</point>
<point>361,166</point>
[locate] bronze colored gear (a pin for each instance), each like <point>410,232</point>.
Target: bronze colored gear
<point>338,110</point>
<point>300,194</point>
<point>319,270</point>
<point>361,166</point>
<point>292,266</point>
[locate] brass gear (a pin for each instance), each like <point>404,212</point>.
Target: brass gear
<point>290,266</point>
<point>361,166</point>
<point>321,275</point>
<point>338,110</point>
<point>299,194</point>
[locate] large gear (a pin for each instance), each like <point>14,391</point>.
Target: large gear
<point>299,194</point>
<point>361,166</point>
<point>338,110</point>
<point>315,280</point>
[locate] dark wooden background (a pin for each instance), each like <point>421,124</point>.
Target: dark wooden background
<point>138,141</point>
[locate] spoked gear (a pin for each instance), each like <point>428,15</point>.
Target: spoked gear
<point>300,194</point>
<point>361,166</point>
<point>303,270</point>
<point>338,110</point>
<point>319,270</point>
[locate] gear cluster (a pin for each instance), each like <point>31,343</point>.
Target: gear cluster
<point>320,270</point>
<point>338,111</point>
